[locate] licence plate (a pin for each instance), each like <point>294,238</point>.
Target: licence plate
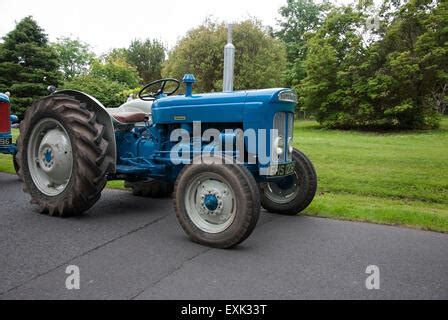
<point>5,141</point>
<point>285,169</point>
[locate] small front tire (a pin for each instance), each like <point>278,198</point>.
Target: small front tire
<point>294,193</point>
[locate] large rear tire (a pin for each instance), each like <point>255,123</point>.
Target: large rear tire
<point>292,194</point>
<point>62,156</point>
<point>217,205</point>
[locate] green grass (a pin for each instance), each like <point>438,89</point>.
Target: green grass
<point>6,159</point>
<point>389,178</point>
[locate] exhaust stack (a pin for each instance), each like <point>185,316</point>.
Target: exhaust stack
<point>229,62</point>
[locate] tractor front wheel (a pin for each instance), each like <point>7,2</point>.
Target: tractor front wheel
<point>62,156</point>
<point>292,194</point>
<point>217,205</point>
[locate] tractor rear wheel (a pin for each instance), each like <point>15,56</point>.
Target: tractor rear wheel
<point>62,156</point>
<point>294,193</point>
<point>217,205</point>
<point>150,188</point>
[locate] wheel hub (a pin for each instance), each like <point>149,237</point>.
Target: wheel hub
<point>211,203</point>
<point>54,156</point>
<point>284,190</point>
<point>47,158</point>
<point>50,158</point>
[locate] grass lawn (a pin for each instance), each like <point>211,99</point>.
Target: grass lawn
<point>389,178</point>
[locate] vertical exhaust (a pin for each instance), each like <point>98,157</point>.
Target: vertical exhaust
<point>229,62</point>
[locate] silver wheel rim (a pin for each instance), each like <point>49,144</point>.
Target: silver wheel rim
<point>50,158</point>
<point>210,203</point>
<point>280,195</point>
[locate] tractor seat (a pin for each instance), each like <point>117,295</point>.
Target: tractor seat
<point>132,112</point>
<point>129,117</point>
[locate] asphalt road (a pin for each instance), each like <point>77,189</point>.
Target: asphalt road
<point>133,248</point>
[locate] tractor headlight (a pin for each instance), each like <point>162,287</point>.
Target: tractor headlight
<point>287,96</point>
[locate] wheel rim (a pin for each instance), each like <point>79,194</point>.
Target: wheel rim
<point>210,203</point>
<point>283,191</point>
<point>50,158</point>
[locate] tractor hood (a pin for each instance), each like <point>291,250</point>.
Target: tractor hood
<point>214,107</point>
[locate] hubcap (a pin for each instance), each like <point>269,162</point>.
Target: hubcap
<point>50,158</point>
<point>210,203</point>
<point>283,191</point>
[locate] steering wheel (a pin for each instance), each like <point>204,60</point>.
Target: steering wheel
<point>160,92</point>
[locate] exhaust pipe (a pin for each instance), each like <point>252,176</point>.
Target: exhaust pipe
<point>229,62</point>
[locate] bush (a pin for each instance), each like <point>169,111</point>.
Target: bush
<point>110,93</point>
<point>392,83</point>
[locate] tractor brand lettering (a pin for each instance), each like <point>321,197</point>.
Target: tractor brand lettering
<point>180,118</point>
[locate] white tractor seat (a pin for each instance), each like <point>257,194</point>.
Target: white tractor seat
<point>132,112</point>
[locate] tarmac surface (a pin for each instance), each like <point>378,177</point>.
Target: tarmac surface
<point>133,248</point>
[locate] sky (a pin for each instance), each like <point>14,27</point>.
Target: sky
<point>112,24</point>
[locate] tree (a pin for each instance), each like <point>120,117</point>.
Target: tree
<point>432,50</point>
<point>259,58</point>
<point>107,80</point>
<point>334,51</point>
<point>147,56</point>
<point>74,56</point>
<point>110,93</point>
<point>298,18</point>
<point>396,82</point>
<point>116,70</point>
<point>27,64</point>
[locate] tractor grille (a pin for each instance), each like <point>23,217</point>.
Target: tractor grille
<point>289,140</point>
<point>284,123</point>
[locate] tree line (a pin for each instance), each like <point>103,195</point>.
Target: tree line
<point>356,66</point>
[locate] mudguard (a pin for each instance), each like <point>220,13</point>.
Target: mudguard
<point>102,116</point>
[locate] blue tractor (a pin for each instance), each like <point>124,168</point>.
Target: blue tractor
<point>70,145</point>
<point>222,155</point>
<point>6,119</point>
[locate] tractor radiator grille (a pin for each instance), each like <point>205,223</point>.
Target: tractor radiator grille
<point>284,123</point>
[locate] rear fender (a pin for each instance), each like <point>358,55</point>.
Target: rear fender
<point>103,117</point>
